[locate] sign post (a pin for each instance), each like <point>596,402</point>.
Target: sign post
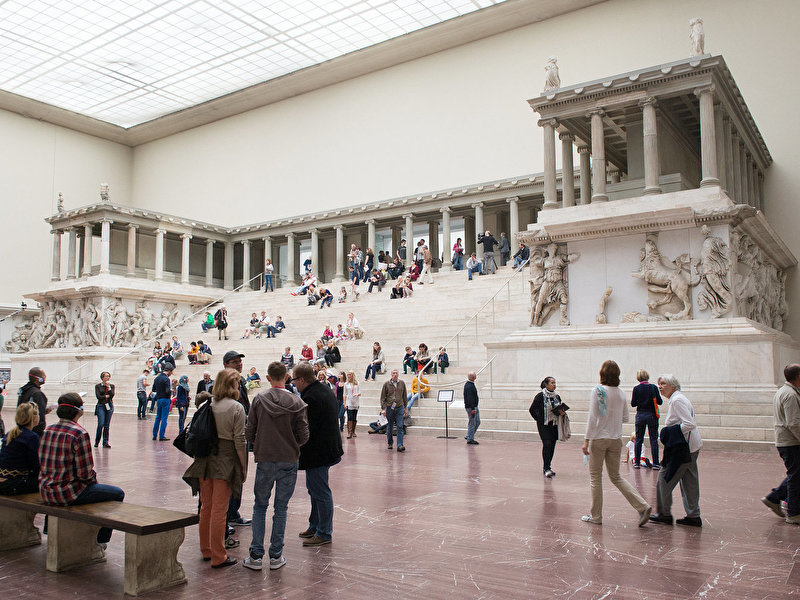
<point>446,396</point>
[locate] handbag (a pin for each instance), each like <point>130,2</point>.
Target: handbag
<point>655,404</point>
<point>180,440</point>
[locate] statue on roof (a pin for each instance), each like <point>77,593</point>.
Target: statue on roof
<point>104,193</point>
<point>60,203</point>
<point>697,36</point>
<point>553,80</point>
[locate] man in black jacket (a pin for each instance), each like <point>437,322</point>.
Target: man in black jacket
<point>31,392</point>
<point>471,404</point>
<point>489,242</point>
<point>322,450</point>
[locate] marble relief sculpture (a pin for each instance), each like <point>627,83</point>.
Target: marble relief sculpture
<point>553,291</point>
<point>552,80</point>
<point>601,318</point>
<point>667,280</point>
<point>714,271</point>
<point>697,36</point>
<point>760,287</point>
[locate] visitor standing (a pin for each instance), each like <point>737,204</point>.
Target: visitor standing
<point>32,392</point>
<point>104,392</point>
<point>162,389</point>
<point>544,409</point>
<point>471,405</point>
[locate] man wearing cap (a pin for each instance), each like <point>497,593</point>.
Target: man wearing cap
<point>162,389</point>
<point>233,360</point>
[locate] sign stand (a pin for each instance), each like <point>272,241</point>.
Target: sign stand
<point>446,396</point>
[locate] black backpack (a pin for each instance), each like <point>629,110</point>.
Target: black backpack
<point>201,434</point>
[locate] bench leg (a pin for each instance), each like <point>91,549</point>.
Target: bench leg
<point>151,561</point>
<point>71,544</point>
<point>17,529</point>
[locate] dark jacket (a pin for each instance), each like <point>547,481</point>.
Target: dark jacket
<point>334,353</point>
<point>524,253</point>
<point>505,247</point>
<point>162,386</point>
<point>324,445</point>
<point>277,426</point>
<point>243,399</point>
<point>201,386</point>
<point>642,398</point>
<point>488,242</point>
<point>537,408</point>
<point>31,393</point>
<point>103,395</point>
<point>676,450</point>
<point>470,395</point>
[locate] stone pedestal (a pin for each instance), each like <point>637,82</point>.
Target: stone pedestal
<point>151,561</point>
<point>71,544</point>
<point>17,529</point>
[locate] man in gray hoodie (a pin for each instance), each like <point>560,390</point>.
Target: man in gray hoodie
<point>277,426</point>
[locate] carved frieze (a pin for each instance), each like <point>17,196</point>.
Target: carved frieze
<point>668,282</point>
<point>549,283</point>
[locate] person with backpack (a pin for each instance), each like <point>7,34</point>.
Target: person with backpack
<point>220,474</point>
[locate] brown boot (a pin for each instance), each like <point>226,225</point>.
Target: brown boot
<point>349,430</point>
<point>354,429</point>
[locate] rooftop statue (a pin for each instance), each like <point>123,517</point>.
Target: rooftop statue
<point>697,36</point>
<point>553,80</point>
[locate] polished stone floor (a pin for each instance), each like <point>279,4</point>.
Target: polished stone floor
<point>447,520</point>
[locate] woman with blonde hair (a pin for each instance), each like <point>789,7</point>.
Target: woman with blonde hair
<point>608,409</point>
<point>221,474</point>
<point>352,400</point>
<point>19,455</point>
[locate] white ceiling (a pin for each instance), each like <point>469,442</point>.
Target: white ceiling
<point>127,62</point>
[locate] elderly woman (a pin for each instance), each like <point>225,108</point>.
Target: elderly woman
<point>608,409</point>
<point>19,456</point>
<point>221,474</point>
<point>544,410</point>
<point>678,432</point>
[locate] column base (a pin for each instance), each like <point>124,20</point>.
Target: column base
<point>549,205</point>
<point>651,191</point>
<point>599,198</point>
<point>710,182</point>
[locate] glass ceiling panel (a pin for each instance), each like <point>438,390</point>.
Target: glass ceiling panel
<point>130,61</point>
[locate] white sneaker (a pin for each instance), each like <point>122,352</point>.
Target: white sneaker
<point>277,563</point>
<point>590,519</point>
<point>253,563</point>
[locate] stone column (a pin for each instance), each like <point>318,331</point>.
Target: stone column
<point>735,171</point>
<point>159,270</point>
<point>722,166</point>
<point>409,234</point>
<point>760,191</point>
<point>88,240</point>
<point>470,237</point>
<point>132,231</point>
<point>209,263</point>
<point>56,272</point>
<point>370,235</point>
<point>338,275</point>
<point>652,169</point>
<point>567,171</point>
<point>397,234</point>
<point>447,248</point>
<point>291,268</point>
<point>227,278</point>
<point>315,252</point>
<point>586,174</point>
<point>598,157</point>
<point>186,238</point>
<point>708,141</point>
<point>756,183</point>
<point>72,242</point>
<point>479,230</point>
<point>246,265</point>
<point>743,174</point>
<point>727,156</point>
<point>550,194</point>
<point>433,238</point>
<point>105,245</point>
<point>268,255</point>
<point>513,219</point>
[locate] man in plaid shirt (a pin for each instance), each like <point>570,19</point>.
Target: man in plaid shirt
<point>67,474</point>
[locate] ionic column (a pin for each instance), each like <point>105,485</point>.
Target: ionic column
<point>550,194</point>
<point>513,217</point>
<point>72,242</point>
<point>268,255</point>
<point>397,234</point>
<point>708,142</point>
<point>370,234</point>
<point>479,230</point>
<point>433,238</point>
<point>132,230</point>
<point>567,172</point>
<point>159,270</point>
<point>209,263</point>
<point>315,252</point>
<point>743,174</point>
<point>586,176</point>
<point>105,245</point>
<point>227,278</point>
<point>56,272</point>
<point>186,238</point>
<point>650,147</point>
<point>752,175</point>
<point>736,166</point>
<point>722,165</point>
<point>88,240</point>
<point>760,190</point>
<point>339,273</point>
<point>246,264</point>
<point>409,233</point>
<point>727,156</point>
<point>447,263</point>
<point>598,157</point>
<point>291,268</point>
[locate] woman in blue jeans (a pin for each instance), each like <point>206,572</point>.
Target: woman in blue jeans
<point>268,269</point>
<point>162,389</point>
<point>646,399</point>
<point>104,392</point>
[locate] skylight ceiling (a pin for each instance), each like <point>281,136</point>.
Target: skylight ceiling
<point>127,62</point>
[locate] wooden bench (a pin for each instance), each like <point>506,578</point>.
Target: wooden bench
<point>153,537</point>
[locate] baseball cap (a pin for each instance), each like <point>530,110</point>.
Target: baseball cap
<point>231,355</point>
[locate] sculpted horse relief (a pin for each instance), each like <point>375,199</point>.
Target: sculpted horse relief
<point>668,280</point>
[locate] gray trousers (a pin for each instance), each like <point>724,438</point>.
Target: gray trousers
<point>687,476</point>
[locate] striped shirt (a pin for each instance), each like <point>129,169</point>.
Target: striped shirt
<point>67,468</point>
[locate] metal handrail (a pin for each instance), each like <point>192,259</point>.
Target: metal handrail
<point>449,384</point>
<point>141,345</point>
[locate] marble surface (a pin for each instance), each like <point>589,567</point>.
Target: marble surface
<point>449,520</point>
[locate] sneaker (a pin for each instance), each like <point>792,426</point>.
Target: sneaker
<point>277,563</point>
<point>316,541</point>
<point>637,466</point>
<point>231,543</point>
<point>472,443</point>
<point>774,507</point>
<point>692,521</point>
<point>794,520</point>
<point>401,448</point>
<point>308,533</point>
<point>656,467</point>
<point>644,516</point>
<point>549,473</point>
<point>590,519</point>
<point>240,522</point>
<point>664,519</point>
<point>252,563</point>
<point>389,447</point>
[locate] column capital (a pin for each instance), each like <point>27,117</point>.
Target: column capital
<point>649,101</point>
<point>445,209</point>
<point>267,238</point>
<point>186,236</point>
<point>548,123</point>
<point>161,231</point>
<point>210,242</point>
<point>408,216</point>
<point>106,220</point>
<point>246,242</point>
<point>339,227</point>
<point>597,111</point>
<point>566,136</point>
<point>584,149</point>
<point>55,231</point>
<point>313,231</point>
<point>477,205</point>
<point>133,226</point>
<point>290,236</point>
<point>512,200</point>
<point>705,89</point>
<point>370,221</point>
